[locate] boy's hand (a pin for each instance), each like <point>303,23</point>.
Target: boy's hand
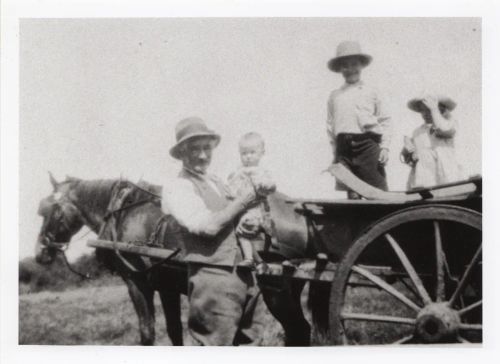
<point>384,156</point>
<point>431,102</point>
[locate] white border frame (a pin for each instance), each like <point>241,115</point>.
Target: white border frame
<point>12,11</point>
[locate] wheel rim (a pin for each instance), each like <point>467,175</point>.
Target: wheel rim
<point>433,301</point>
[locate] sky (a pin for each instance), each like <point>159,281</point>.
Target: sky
<point>99,98</point>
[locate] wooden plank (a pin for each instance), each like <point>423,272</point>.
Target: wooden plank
<point>125,247</point>
<point>342,174</point>
<point>452,191</point>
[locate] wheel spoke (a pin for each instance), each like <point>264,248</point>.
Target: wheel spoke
<point>440,290</point>
<point>471,327</point>
<point>409,269</point>
<point>403,340</point>
<point>377,318</point>
<point>465,310</point>
<point>388,288</point>
<point>465,277</point>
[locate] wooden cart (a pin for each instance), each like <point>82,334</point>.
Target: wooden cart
<point>401,267</point>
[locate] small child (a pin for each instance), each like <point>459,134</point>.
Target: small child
<point>431,149</point>
<point>257,218</point>
<point>357,125</point>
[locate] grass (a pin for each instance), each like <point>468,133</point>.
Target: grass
<point>96,316</point>
<point>104,315</point>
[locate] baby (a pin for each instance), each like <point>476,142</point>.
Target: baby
<point>257,218</point>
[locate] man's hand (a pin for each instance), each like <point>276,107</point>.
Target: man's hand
<point>262,182</point>
<point>384,156</point>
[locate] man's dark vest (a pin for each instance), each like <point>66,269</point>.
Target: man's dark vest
<point>223,248</point>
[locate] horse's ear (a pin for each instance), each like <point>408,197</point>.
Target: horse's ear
<point>70,178</point>
<point>53,181</point>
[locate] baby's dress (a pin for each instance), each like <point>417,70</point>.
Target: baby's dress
<point>258,217</point>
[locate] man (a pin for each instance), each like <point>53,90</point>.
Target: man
<point>225,307</point>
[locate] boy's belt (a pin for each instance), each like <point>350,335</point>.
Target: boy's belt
<point>351,137</point>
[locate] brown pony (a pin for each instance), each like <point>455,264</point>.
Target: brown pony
<point>123,211</point>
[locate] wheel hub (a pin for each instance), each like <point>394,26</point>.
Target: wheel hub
<point>437,323</point>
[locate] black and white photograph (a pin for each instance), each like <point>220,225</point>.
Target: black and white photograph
<point>270,181</point>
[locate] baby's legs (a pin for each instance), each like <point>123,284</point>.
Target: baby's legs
<point>246,248</point>
<point>248,230</point>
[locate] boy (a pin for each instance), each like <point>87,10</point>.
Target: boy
<point>358,128</point>
<point>256,218</point>
<point>431,150</point>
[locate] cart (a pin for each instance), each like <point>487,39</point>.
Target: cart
<point>400,267</point>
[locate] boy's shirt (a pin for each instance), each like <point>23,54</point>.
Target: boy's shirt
<point>357,109</point>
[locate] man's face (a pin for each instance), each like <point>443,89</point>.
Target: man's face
<point>351,69</point>
<point>197,154</point>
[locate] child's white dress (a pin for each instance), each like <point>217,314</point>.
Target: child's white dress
<point>437,161</point>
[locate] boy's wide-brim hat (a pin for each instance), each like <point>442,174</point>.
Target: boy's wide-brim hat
<point>345,50</point>
<point>190,128</point>
<point>416,104</point>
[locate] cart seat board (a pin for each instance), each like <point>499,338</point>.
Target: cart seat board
<point>456,189</point>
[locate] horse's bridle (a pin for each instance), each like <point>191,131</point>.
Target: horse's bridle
<point>47,238</point>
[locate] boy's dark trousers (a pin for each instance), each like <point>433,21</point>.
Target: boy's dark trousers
<point>360,154</point>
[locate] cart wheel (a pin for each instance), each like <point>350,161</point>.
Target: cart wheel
<point>412,277</point>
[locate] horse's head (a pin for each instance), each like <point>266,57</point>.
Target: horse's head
<point>61,220</point>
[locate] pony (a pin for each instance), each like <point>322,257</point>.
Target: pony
<point>124,211</point>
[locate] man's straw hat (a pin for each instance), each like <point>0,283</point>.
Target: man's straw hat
<point>191,128</point>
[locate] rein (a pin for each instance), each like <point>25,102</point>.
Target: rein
<point>61,248</point>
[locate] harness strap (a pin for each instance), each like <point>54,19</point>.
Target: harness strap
<point>112,218</point>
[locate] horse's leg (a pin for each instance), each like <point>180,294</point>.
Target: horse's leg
<point>143,299</point>
<point>283,300</point>
<point>319,295</point>
<point>171,302</point>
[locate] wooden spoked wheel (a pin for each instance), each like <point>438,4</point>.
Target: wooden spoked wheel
<point>412,277</point>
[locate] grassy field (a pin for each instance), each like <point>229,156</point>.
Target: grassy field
<point>96,316</point>
<point>104,315</point>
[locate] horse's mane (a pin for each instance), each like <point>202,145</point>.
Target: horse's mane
<point>93,195</point>
<point>154,189</point>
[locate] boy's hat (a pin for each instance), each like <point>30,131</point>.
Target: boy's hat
<point>190,128</point>
<point>416,104</point>
<point>348,49</point>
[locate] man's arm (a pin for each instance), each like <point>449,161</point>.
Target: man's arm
<point>191,212</point>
